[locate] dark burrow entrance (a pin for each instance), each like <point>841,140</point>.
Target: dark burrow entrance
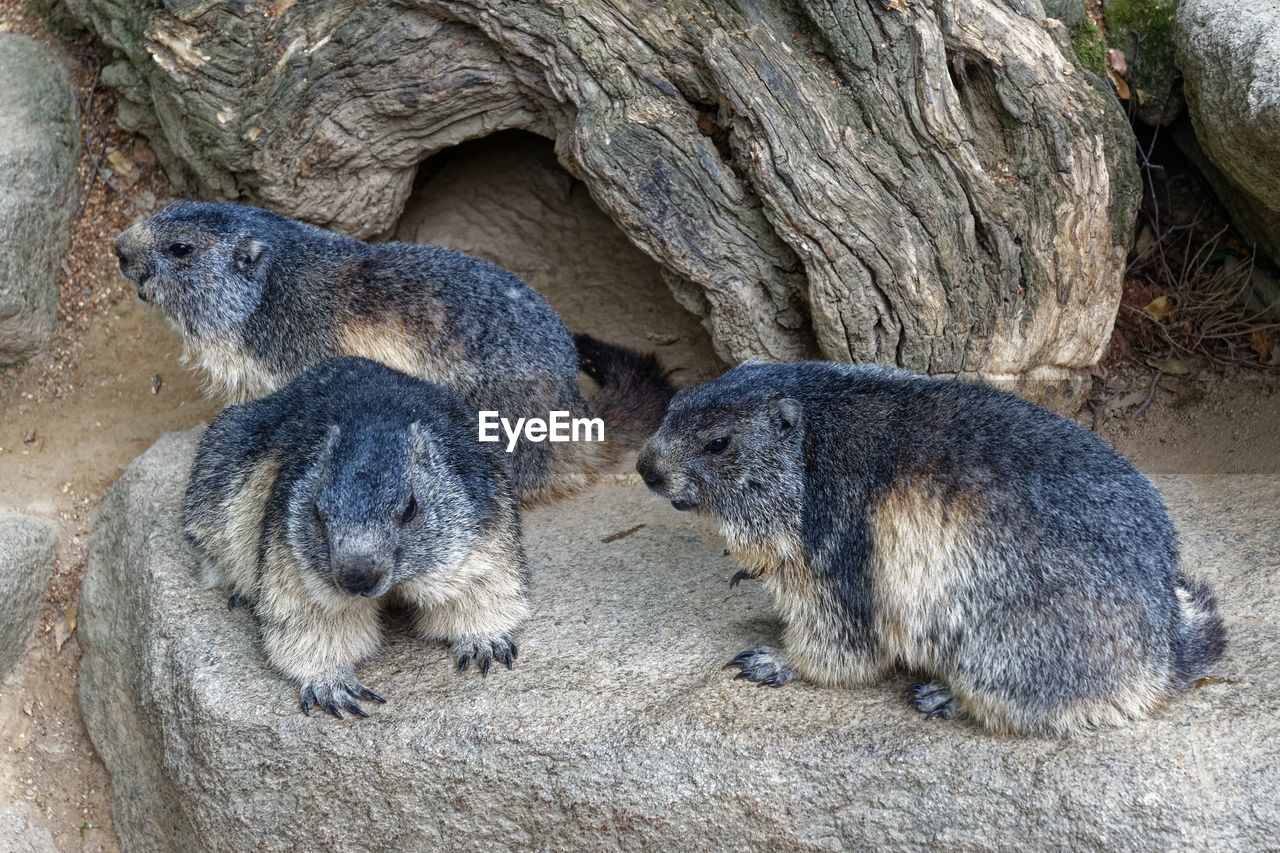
<point>506,198</point>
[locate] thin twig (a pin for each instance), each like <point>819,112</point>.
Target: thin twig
<point>1150,397</point>
<point>87,138</point>
<point>88,125</point>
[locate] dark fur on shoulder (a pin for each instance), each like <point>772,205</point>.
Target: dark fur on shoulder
<point>352,485</point>
<point>259,298</point>
<point>949,528</point>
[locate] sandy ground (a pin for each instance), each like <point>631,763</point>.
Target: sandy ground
<point>71,421</point>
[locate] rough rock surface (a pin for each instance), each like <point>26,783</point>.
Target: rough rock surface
<point>20,835</point>
<point>39,150</point>
<point>933,184</point>
<point>28,546</point>
<point>1229,55</point>
<point>619,728</point>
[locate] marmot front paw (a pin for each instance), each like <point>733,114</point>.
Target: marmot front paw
<point>340,691</point>
<point>484,651</point>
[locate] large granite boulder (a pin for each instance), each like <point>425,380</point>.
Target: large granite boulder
<point>619,727</point>
<point>28,546</point>
<point>39,151</point>
<point>1229,55</point>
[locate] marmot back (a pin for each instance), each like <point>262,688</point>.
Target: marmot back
<point>351,485</point>
<point>259,298</point>
<point>948,528</point>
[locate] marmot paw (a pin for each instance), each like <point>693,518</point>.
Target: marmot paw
<point>933,699</point>
<point>765,666</point>
<point>339,693</point>
<point>483,652</point>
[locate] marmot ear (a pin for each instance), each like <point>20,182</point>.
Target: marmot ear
<point>331,441</point>
<point>247,253</point>
<point>787,413</point>
<point>423,448</point>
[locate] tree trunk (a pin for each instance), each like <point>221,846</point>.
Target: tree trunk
<point>933,184</point>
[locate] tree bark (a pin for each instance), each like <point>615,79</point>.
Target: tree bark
<point>933,184</point>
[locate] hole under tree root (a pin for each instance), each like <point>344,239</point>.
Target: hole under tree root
<point>506,199</point>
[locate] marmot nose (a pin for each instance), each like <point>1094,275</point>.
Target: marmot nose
<point>123,247</point>
<point>357,575</point>
<point>652,479</point>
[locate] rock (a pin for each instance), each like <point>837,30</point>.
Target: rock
<point>39,151</point>
<point>28,546</point>
<point>619,728</point>
<point>873,182</point>
<point>20,835</point>
<point>1070,12</point>
<point>1229,55</point>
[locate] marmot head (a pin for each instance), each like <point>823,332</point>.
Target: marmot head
<point>202,264</point>
<point>732,447</point>
<point>376,507</point>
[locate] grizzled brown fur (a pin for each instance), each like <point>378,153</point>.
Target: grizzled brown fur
<point>1007,554</point>
<point>260,297</point>
<point>352,486</point>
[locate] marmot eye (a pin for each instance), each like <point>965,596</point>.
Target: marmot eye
<point>179,250</point>
<point>410,511</point>
<point>717,445</point>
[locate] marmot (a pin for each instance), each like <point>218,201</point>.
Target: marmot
<point>353,485</point>
<point>952,529</point>
<point>259,298</point>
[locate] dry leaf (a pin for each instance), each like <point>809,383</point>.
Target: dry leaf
<point>896,5</point>
<point>1260,340</point>
<point>1159,308</point>
<point>660,339</point>
<point>1116,61</point>
<point>1116,70</point>
<point>1172,366</point>
<point>65,628</point>
<point>1144,241</point>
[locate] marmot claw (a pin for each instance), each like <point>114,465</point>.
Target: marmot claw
<point>933,699</point>
<point>765,666</point>
<point>334,695</point>
<point>484,652</point>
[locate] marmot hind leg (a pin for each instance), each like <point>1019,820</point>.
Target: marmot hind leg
<point>1069,660</point>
